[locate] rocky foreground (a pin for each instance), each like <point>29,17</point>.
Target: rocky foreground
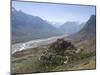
<point>61,55</point>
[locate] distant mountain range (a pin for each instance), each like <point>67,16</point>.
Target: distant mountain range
<point>27,27</point>
<point>71,27</point>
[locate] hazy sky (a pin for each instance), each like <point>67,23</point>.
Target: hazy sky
<point>56,12</point>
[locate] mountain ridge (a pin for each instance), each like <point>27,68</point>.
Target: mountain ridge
<point>86,37</point>
<point>27,27</point>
